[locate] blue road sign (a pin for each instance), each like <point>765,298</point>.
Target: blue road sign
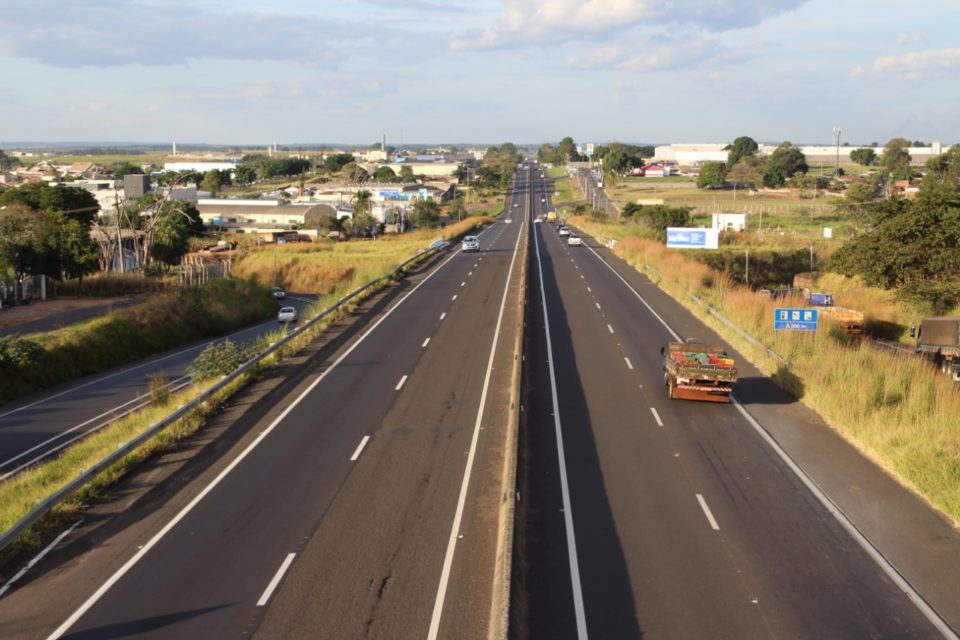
<point>804,319</point>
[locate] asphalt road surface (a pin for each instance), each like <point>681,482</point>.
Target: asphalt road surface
<point>646,517</point>
<point>363,503</point>
<point>40,425</point>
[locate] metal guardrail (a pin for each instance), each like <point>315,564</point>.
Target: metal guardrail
<point>44,507</point>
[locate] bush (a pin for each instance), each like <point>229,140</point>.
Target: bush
<point>17,352</point>
<point>220,359</point>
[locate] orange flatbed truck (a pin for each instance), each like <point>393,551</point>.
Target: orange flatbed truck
<point>693,370</point>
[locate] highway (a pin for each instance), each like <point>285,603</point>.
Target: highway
<point>645,517</point>
<point>362,502</point>
<point>41,425</point>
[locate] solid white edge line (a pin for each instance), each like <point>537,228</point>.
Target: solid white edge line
<point>400,384</point>
<point>629,364</point>
<point>425,342</point>
<point>708,513</point>
<point>277,577</point>
<point>38,557</point>
<point>129,564</point>
<point>578,607</point>
<point>656,416</point>
<point>443,315</point>
<point>885,565</point>
<point>359,449</point>
<point>465,484</point>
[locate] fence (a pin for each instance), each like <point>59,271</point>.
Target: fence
<point>594,194</point>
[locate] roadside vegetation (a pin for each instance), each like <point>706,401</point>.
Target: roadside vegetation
<point>165,321</point>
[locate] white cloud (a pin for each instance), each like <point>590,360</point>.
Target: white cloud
<point>918,63</point>
<point>910,37</point>
<point>524,22</point>
<point>108,33</point>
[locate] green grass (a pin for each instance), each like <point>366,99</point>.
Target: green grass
<point>895,409</point>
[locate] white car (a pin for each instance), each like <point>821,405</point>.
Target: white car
<point>279,293</point>
<point>543,199</point>
<point>516,204</point>
<point>508,220</point>
<point>575,241</point>
<point>563,231</point>
<point>470,243</point>
<point>287,314</point>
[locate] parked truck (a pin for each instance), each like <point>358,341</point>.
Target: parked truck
<point>939,339</point>
<point>850,320</point>
<point>693,370</point>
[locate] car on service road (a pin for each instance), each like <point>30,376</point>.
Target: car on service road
<point>470,243</point>
<point>575,241</point>
<point>279,293</point>
<point>287,314</point>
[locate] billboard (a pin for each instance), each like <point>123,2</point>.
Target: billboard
<point>697,238</point>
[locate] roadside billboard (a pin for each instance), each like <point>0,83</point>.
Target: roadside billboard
<point>695,238</point>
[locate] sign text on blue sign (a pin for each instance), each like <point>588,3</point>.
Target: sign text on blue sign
<point>803,319</point>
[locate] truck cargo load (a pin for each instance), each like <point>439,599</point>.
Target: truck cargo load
<point>939,338</point>
<point>850,320</point>
<point>693,370</point>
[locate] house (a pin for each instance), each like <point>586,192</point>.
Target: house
<point>729,222</point>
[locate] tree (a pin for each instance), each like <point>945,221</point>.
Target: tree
<point>355,173</point>
<point>7,161</point>
<point>79,204</point>
<point>385,174</point>
<point>211,181</point>
<point>70,252</point>
<point>773,176</point>
<point>912,246</point>
<point>406,174</point>
<point>863,156</point>
<point>336,162</point>
<point>456,209</point>
<point>567,151</point>
<point>861,191</point>
<point>896,159</point>
<point>244,174</point>
<point>362,202</point>
<point>742,173</point>
<point>712,176</point>
<point>789,159</point>
<point>658,218</point>
<point>21,239</point>
<point>120,169</point>
<point>741,147</point>
<point>425,214</point>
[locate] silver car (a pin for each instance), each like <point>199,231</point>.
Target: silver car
<point>470,243</point>
<point>287,314</point>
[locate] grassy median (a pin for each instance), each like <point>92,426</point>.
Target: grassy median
<point>895,409</point>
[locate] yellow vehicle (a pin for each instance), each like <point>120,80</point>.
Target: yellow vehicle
<point>551,216</point>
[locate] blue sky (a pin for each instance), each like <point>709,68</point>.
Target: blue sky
<point>297,71</point>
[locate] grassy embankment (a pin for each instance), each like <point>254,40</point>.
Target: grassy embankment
<point>165,321</point>
<point>333,270</point>
<point>894,408</point>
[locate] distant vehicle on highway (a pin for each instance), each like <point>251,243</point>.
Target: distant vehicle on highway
<point>508,220</point>
<point>470,243</point>
<point>564,231</point>
<point>575,241</point>
<point>287,314</point>
<point>279,293</point>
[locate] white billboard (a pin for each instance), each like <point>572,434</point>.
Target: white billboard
<point>695,238</point>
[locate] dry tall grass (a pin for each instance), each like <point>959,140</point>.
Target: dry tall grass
<point>325,267</point>
<point>894,408</point>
